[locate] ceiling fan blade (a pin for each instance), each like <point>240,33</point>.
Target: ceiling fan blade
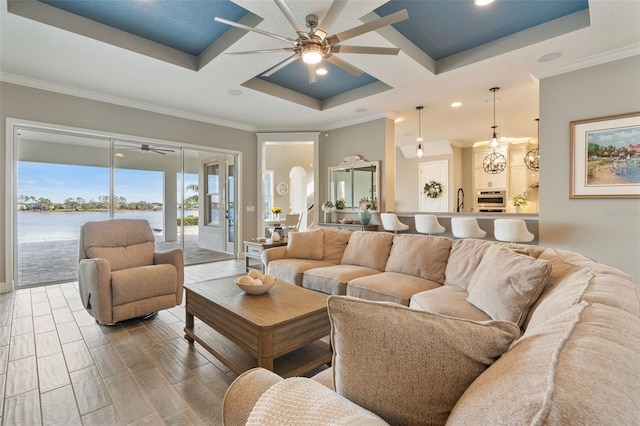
<point>281,65</point>
<point>344,65</point>
<point>398,16</point>
<point>249,52</point>
<point>312,74</point>
<point>155,151</point>
<point>299,29</point>
<point>365,49</point>
<point>255,30</point>
<point>330,18</point>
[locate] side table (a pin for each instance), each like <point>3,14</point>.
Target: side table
<point>253,250</point>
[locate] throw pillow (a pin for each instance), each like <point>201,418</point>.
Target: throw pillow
<point>408,366</point>
<point>305,245</point>
<point>369,249</point>
<point>507,283</point>
<point>335,241</point>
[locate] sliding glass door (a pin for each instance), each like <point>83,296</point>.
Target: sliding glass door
<point>66,179</point>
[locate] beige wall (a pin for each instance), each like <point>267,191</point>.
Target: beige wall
<point>368,140</point>
<point>41,106</point>
<point>607,230</point>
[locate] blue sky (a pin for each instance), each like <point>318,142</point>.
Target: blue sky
<point>58,182</point>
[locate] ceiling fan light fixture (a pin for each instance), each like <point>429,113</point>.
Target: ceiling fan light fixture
<point>312,55</point>
<point>321,71</point>
<point>482,2</point>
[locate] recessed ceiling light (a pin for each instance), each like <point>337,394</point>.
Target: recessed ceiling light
<point>456,104</point>
<point>362,110</point>
<point>482,2</point>
<point>321,71</point>
<point>549,57</point>
<point>119,155</point>
<point>234,92</point>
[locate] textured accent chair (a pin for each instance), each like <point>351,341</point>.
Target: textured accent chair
<point>119,274</point>
<point>512,231</point>
<point>466,227</point>
<point>390,222</point>
<point>428,224</point>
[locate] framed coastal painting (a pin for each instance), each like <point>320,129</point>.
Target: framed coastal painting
<point>605,157</point>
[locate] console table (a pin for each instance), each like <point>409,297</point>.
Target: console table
<point>350,226</point>
<point>253,250</point>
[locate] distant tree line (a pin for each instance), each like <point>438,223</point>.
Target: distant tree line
<point>600,151</point>
<point>28,202</point>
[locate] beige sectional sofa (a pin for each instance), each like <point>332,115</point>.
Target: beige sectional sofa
<point>493,334</point>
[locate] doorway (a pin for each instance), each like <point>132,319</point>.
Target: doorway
<point>437,171</point>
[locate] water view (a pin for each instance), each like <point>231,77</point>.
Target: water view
<point>36,226</point>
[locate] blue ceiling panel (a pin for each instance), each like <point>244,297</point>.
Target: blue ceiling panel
<point>186,25</point>
<point>295,76</point>
<point>443,28</point>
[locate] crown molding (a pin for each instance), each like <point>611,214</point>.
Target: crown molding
<point>364,119</point>
<point>613,55</point>
<point>103,97</point>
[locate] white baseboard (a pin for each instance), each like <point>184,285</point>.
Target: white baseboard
<point>5,288</point>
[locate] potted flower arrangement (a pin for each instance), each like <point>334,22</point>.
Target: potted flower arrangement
<point>340,204</point>
<point>327,208</point>
<point>276,212</point>
<point>432,189</point>
<point>518,201</point>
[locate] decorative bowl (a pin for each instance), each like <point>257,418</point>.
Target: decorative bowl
<point>254,290</point>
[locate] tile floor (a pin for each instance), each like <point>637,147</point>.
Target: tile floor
<point>59,367</point>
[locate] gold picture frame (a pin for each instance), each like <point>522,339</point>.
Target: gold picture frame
<point>605,157</point>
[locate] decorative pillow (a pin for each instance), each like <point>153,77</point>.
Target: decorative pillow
<point>305,245</point>
<point>507,283</point>
<point>369,249</point>
<point>419,255</point>
<point>408,366</point>
<point>335,241</point>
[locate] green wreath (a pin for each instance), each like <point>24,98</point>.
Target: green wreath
<point>432,189</point>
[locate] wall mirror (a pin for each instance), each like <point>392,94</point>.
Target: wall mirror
<point>355,180</point>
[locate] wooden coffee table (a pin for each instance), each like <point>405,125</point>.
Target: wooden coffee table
<point>279,330</point>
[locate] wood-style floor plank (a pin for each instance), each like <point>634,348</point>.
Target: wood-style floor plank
<point>44,323</point>
<point>102,417</point>
<point>129,402</point>
<point>90,390</point>
<point>22,409</point>
<point>160,393</point>
<point>77,355</point>
<point>52,372</point>
<point>22,376</point>
<point>108,360</point>
<point>47,344</point>
<point>174,370</point>
<point>52,412</point>
<point>197,396</point>
<point>22,346</point>
<point>68,332</point>
<point>93,335</point>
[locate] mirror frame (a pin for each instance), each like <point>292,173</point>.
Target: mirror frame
<point>351,167</point>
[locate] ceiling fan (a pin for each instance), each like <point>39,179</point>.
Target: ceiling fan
<point>145,147</point>
<point>315,45</point>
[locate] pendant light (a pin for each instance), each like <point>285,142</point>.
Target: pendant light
<point>419,147</point>
<point>494,163</point>
<point>532,159</point>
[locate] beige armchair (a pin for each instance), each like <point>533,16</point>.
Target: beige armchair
<point>119,274</point>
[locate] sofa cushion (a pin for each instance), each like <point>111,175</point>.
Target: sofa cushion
<point>144,282</point>
<point>389,287</point>
<point>291,270</point>
<point>335,242</point>
<point>419,255</point>
<point>124,257</point>
<point>467,253</point>
<point>408,366</point>
<point>507,283</point>
<point>305,245</point>
<point>368,248</point>
<point>333,279</point>
<point>553,374</point>
<point>447,300</point>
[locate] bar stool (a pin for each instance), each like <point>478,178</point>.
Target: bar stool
<point>512,231</point>
<point>390,222</point>
<point>428,224</point>
<point>466,227</point>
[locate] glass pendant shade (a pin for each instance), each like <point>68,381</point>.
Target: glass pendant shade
<point>532,159</point>
<point>419,147</point>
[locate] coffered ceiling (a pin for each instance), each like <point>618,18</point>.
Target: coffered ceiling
<point>172,57</point>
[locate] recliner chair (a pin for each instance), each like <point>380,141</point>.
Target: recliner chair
<point>119,274</point>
